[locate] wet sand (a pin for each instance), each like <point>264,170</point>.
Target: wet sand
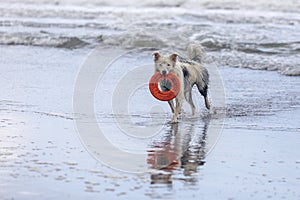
<point>42,156</point>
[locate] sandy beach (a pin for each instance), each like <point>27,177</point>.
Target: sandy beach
<point>68,68</point>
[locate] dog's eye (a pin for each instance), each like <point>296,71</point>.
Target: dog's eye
<point>160,65</point>
<point>169,65</point>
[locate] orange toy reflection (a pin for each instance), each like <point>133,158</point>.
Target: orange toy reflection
<point>177,150</point>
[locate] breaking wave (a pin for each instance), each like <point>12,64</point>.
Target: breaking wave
<point>59,42</point>
<point>255,34</point>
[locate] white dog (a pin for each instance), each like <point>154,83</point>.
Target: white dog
<point>189,71</point>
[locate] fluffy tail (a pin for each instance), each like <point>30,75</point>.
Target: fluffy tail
<point>196,52</point>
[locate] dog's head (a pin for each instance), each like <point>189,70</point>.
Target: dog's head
<point>164,64</point>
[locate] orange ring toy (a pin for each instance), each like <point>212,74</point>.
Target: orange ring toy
<point>164,95</point>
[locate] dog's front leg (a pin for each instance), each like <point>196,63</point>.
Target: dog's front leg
<point>171,103</point>
<point>177,111</point>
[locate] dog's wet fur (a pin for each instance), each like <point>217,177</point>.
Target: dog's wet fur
<point>189,71</point>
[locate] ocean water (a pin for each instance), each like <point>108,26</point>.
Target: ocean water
<point>257,35</point>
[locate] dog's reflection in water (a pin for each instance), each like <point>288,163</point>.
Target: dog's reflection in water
<point>182,148</point>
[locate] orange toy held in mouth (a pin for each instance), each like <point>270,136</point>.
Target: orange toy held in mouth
<point>164,87</point>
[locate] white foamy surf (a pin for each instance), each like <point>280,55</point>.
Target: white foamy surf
<point>257,34</point>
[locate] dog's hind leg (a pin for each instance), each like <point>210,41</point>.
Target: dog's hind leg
<point>171,103</point>
<point>189,99</point>
<point>203,92</point>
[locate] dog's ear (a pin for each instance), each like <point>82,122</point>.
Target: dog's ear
<point>156,56</point>
<point>173,57</point>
